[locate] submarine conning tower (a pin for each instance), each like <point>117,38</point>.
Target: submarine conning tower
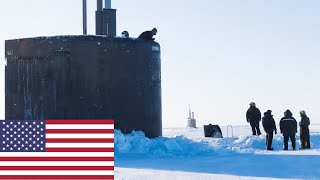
<point>98,76</point>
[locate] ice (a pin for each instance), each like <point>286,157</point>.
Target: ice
<point>186,154</point>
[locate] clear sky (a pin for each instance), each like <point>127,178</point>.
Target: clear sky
<point>217,55</point>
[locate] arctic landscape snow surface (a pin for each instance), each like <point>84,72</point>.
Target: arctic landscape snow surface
<point>186,154</point>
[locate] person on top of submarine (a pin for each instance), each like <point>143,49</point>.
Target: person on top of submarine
<point>148,35</point>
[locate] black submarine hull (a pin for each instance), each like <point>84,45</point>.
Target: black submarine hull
<point>85,77</point>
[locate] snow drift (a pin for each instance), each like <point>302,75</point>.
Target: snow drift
<point>136,144</point>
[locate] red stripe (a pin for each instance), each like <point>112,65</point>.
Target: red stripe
<point>80,140</point>
<point>79,150</point>
<point>87,121</point>
<point>81,131</point>
<point>44,177</point>
<point>56,159</point>
<point>84,168</point>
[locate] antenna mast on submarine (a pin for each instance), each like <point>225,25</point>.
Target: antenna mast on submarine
<point>84,16</point>
<point>191,119</point>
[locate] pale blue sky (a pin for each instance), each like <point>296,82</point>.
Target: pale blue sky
<point>217,55</point>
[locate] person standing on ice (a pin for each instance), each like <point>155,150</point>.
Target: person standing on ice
<point>253,117</point>
<point>304,131</point>
<point>288,127</point>
<point>269,126</point>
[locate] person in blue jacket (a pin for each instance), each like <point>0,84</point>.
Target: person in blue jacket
<point>304,130</point>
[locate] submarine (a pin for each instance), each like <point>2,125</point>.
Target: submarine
<point>101,76</point>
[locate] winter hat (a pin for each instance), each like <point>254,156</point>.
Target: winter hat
<point>288,113</point>
<point>269,112</point>
<point>154,30</point>
<point>252,104</point>
<point>302,112</point>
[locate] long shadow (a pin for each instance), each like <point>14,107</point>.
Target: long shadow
<point>246,164</point>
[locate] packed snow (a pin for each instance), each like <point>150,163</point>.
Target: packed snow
<point>186,154</point>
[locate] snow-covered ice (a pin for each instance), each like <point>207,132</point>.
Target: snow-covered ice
<point>186,154</point>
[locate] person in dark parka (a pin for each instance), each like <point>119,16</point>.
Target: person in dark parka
<point>253,117</point>
<point>288,127</point>
<point>269,126</point>
<point>304,131</point>
<point>148,35</point>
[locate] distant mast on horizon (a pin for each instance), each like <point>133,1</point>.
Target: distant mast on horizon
<point>191,119</point>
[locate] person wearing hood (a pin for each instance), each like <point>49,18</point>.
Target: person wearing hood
<point>304,131</point>
<point>269,126</point>
<point>253,117</point>
<point>288,127</point>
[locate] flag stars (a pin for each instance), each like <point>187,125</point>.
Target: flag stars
<point>23,136</point>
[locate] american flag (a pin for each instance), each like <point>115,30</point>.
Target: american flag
<point>57,149</point>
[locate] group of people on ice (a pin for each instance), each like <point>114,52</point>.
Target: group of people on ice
<point>288,127</point>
